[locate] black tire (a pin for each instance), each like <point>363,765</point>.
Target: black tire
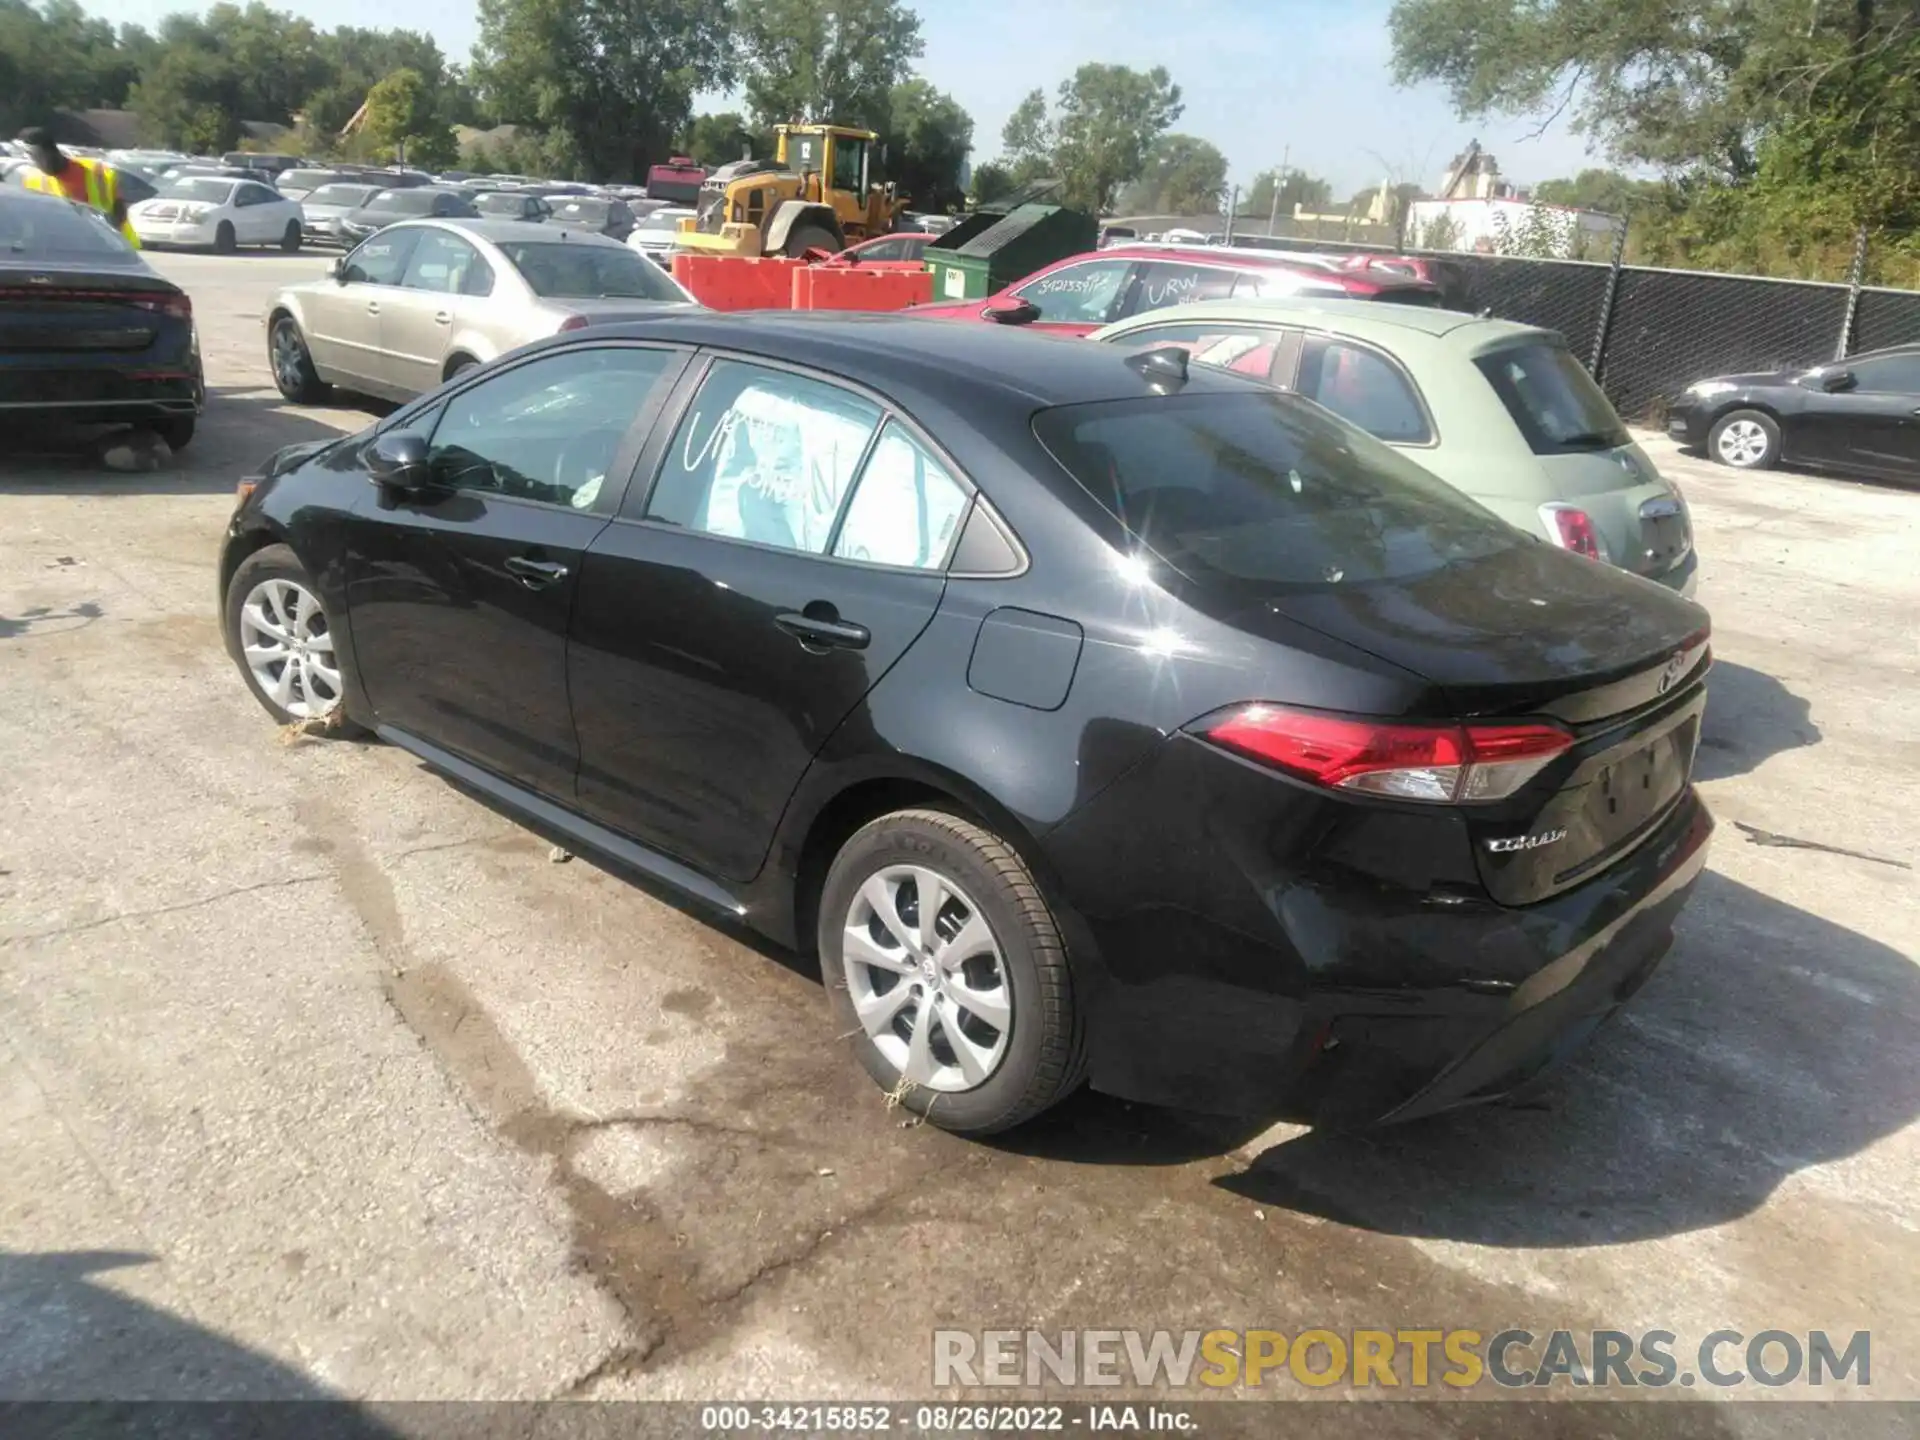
<point>224,240</point>
<point>278,562</point>
<point>290,241</point>
<point>459,366</point>
<point>300,383</point>
<point>1044,1060</point>
<point>1736,425</point>
<point>176,430</point>
<point>803,238</point>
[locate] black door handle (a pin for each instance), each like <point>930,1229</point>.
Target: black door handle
<point>816,631</point>
<point>535,574</point>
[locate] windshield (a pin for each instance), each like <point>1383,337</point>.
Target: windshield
<point>304,179</point>
<point>500,202</point>
<point>405,202</point>
<point>1266,490</point>
<point>570,270</point>
<point>46,229</point>
<point>1552,399</point>
<point>205,190</point>
<point>664,220</point>
<point>591,212</point>
<point>351,195</point>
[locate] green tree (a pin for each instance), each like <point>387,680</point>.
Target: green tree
<point>1096,139</point>
<point>1293,187</point>
<point>403,120</point>
<point>825,60</point>
<point>1607,191</point>
<point>191,99</point>
<point>990,183</point>
<point>1184,175</point>
<point>611,82</point>
<point>928,138</point>
<point>718,139</point>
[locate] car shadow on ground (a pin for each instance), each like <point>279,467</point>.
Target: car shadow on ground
<point>241,427</point>
<point>64,1336</point>
<point>1751,717</point>
<point>1771,1041</point>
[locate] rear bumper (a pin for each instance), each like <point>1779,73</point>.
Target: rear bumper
<point>100,393</point>
<point>1683,578</point>
<point>1297,965</point>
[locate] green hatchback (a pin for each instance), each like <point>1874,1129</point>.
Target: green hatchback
<point>1502,412</point>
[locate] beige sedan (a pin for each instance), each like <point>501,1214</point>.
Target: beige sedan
<point>418,302</point>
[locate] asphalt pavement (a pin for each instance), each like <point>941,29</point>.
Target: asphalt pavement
<point>317,1077</point>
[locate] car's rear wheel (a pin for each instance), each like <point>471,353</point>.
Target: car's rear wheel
<point>944,963</point>
<point>224,240</point>
<point>283,638</point>
<point>1745,439</point>
<point>290,238</point>
<point>293,372</point>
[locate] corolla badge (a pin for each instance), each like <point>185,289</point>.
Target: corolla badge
<point>1508,844</point>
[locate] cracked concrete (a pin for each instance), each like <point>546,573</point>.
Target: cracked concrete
<point>316,1076</point>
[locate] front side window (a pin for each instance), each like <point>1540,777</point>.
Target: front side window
<point>1255,490</point>
<point>849,163</point>
<point>547,430</point>
<point>764,455</point>
<point>255,195</point>
<point>1085,294</point>
<point>1553,399</point>
<point>1891,374</point>
<point>1247,349</point>
<point>1365,387</point>
<point>440,262</point>
<point>381,259</point>
<point>905,508</point>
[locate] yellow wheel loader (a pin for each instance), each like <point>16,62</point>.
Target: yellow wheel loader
<point>817,193</point>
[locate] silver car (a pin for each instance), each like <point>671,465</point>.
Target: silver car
<point>322,210</point>
<point>657,233</point>
<point>421,301</point>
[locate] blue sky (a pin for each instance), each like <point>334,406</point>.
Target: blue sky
<point>1259,76</point>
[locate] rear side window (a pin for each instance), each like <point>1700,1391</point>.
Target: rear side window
<point>1365,387</point>
<point>1552,399</point>
<point>1258,489</point>
<point>905,508</point>
<point>1162,283</point>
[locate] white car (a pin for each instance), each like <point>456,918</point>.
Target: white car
<point>212,212</point>
<point>654,235</point>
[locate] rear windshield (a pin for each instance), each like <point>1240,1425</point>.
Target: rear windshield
<point>1552,399</point>
<point>342,195</point>
<point>38,229</point>
<point>1267,490</point>
<point>573,271</point>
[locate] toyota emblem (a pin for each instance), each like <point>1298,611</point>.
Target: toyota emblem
<point>1676,667</point>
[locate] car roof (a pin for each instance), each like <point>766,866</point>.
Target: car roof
<point>955,362</point>
<point>1365,319</point>
<point>502,232</point>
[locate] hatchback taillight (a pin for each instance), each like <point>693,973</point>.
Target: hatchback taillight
<point>1442,764</point>
<point>1571,528</point>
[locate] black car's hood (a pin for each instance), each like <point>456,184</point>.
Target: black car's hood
<point>1517,630</point>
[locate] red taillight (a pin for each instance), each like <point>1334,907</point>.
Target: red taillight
<point>572,322</point>
<point>1571,528</point>
<point>178,304</point>
<point>1445,764</point>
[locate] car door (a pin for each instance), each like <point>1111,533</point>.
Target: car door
<point>1873,427</point>
<point>1079,297</point>
<point>342,318</point>
<point>417,321</point>
<point>256,219</point>
<point>742,607</point>
<point>459,598</point>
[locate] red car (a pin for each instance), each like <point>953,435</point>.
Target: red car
<point>902,245</point>
<point>1078,295</point>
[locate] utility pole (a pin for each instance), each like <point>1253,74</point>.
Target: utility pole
<point>1273,215</point>
<point>1233,209</point>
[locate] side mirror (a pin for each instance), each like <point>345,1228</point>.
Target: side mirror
<point>338,270</point>
<point>1010,310</point>
<point>1837,381</point>
<point>397,462</point>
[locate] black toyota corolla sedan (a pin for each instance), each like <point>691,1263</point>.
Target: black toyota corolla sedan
<point>1094,717</point>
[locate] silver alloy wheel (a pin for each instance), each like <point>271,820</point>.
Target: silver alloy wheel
<point>1743,443</point>
<point>927,978</point>
<point>288,359</point>
<point>289,649</point>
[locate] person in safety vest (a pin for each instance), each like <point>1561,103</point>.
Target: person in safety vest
<point>86,181</point>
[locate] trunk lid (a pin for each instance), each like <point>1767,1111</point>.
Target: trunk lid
<point>1638,514</point>
<point>52,313</point>
<point>1533,632</point>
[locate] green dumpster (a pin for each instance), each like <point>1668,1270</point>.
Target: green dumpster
<point>991,249</point>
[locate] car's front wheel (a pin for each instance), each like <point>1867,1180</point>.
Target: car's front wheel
<point>290,237</point>
<point>283,638</point>
<point>944,964</point>
<point>224,239</point>
<point>1745,439</point>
